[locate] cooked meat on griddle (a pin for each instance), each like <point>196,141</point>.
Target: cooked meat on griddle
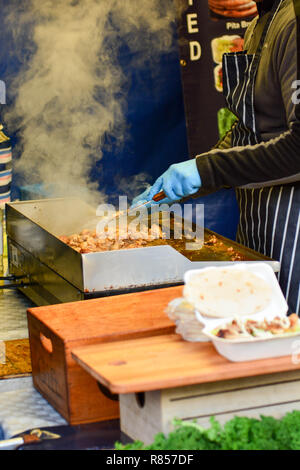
<point>216,244</point>
<point>89,241</point>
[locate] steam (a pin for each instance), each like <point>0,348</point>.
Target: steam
<point>72,92</point>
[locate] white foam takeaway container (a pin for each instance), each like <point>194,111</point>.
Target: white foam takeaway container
<point>244,349</point>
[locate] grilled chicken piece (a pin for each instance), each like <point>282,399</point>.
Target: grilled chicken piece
<point>276,326</point>
<point>89,241</point>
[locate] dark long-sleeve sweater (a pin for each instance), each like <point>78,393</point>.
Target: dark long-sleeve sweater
<point>276,160</point>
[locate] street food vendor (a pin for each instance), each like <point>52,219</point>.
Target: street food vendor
<point>260,155</point>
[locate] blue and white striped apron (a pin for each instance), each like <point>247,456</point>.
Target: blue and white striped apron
<point>269,216</point>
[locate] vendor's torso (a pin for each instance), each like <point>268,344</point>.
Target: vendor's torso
<point>271,114</point>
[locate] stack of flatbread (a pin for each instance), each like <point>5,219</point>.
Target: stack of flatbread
<point>233,8</point>
<point>224,293</point>
<point>182,313</point>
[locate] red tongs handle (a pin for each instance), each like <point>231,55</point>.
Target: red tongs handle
<point>159,196</point>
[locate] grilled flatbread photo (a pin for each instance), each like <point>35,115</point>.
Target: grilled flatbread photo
<point>226,43</point>
<point>233,8</point>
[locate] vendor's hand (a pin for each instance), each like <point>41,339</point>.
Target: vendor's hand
<point>141,198</point>
<point>179,181</point>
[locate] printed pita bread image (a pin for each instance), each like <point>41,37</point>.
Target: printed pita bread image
<point>226,43</point>
<point>233,8</point>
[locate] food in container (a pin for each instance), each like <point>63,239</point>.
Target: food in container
<point>273,317</point>
<point>276,307</point>
<point>263,339</point>
<point>250,328</point>
<point>233,8</point>
<point>225,44</point>
<point>225,292</point>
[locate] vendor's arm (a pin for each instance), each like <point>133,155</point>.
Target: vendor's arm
<point>270,162</point>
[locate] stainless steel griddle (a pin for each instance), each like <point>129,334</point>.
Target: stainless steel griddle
<point>48,271</point>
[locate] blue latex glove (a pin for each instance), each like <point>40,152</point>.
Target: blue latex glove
<point>179,181</point>
<point>141,198</point>
<point>145,197</point>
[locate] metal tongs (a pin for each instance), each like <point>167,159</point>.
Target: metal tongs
<point>157,197</point>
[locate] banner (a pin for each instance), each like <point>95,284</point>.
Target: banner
<point>206,30</point>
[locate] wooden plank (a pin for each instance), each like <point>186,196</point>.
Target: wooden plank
<point>166,361</point>
<point>109,316</point>
<point>224,386</point>
<point>236,401</point>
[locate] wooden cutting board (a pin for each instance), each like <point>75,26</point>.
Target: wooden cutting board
<point>109,317</point>
<point>166,361</point>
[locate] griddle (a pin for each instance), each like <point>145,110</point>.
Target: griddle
<point>48,271</point>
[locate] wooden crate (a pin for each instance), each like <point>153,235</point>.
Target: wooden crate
<point>161,378</point>
<point>55,330</point>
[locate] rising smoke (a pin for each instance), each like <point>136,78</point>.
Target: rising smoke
<point>71,91</point>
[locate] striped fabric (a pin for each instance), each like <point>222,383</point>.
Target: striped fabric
<point>5,168</point>
<point>269,216</point>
